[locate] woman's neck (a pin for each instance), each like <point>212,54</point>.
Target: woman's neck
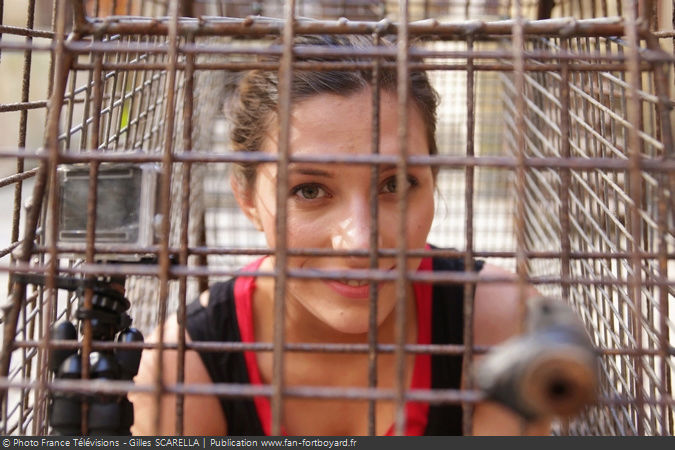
<point>301,326</point>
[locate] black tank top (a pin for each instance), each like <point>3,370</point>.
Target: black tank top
<point>218,323</point>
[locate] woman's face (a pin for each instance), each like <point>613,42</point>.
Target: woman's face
<point>329,204</point>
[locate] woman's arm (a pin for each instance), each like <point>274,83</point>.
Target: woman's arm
<point>202,415</point>
<point>497,317</point>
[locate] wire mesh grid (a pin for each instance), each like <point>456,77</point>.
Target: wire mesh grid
<point>554,161</point>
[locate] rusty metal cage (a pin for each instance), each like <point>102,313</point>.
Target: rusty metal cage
<point>555,161</point>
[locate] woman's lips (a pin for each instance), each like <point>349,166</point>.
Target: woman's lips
<point>349,291</point>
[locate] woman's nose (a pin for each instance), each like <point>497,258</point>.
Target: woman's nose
<point>352,231</point>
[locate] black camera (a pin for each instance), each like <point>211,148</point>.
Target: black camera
<point>126,214</point>
<point>126,207</point>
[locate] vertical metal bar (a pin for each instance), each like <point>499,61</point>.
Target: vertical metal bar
<point>521,172</point>
<point>56,101</point>
<point>131,141</point>
<point>467,357</point>
<point>281,250</point>
<point>635,193</point>
<point>70,109</point>
<point>23,122</point>
<point>165,201</point>
<point>111,104</point>
<point>3,404</point>
<point>18,187</point>
<point>188,105</point>
<point>374,237</point>
<point>120,115</point>
<point>402,192</point>
<point>2,18</point>
<point>97,80</point>
<point>565,181</point>
<point>666,136</point>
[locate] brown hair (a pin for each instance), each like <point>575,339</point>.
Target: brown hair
<point>254,105</point>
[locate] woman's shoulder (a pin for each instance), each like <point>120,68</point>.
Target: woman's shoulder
<point>498,305</point>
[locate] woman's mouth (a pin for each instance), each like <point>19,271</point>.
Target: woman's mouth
<point>350,288</point>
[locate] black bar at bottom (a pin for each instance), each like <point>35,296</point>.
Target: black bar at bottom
<point>332,442</point>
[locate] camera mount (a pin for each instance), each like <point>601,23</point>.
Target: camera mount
<point>109,321</point>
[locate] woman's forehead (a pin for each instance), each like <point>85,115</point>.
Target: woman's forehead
<point>335,124</point>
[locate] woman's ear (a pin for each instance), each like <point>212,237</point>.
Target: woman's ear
<point>246,202</point>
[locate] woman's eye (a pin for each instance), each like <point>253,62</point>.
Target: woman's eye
<point>390,185</point>
<point>308,191</point>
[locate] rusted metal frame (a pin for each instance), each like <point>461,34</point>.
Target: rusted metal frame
<point>592,141</point>
<point>199,250</point>
<point>50,209</point>
<point>603,60</point>
<point>608,291</point>
<point>134,121</point>
<point>23,124</point>
<point>517,32</point>
<point>165,208</point>
<point>626,326</point>
<point>308,51</point>
<point>614,336</point>
<point>401,286</point>
<point>28,32</point>
<point>454,396</point>
<point>88,119</point>
<point>87,331</point>
<point>262,26</point>
<point>145,106</point>
<point>363,274</point>
<point>28,329</point>
<point>119,129</point>
<point>468,300</point>
<point>2,9</point>
<point>22,106</point>
<point>508,162</point>
<point>337,52</point>
<point>373,250</point>
<point>131,97</point>
<point>635,191</point>
<point>665,132</point>
<point>70,110</point>
<point>306,347</point>
<point>114,387</point>
<point>281,219</point>
<point>110,109</point>
<point>157,103</point>
<point>18,188</point>
<point>188,110</point>
<point>650,191</point>
<point>324,66</point>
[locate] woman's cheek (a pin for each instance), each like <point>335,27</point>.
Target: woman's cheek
<point>305,231</point>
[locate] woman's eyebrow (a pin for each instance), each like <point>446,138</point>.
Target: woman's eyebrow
<point>310,171</point>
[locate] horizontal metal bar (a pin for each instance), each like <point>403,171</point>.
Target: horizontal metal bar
<point>12,179</point>
<point>22,106</point>
<point>27,32</point>
<point>449,161</point>
<point>123,249</point>
<point>114,387</point>
<point>326,52</point>
<point>430,349</point>
<point>372,275</point>
<point>363,65</point>
<point>259,26</point>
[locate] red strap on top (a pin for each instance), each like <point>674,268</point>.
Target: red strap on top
<point>416,412</point>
